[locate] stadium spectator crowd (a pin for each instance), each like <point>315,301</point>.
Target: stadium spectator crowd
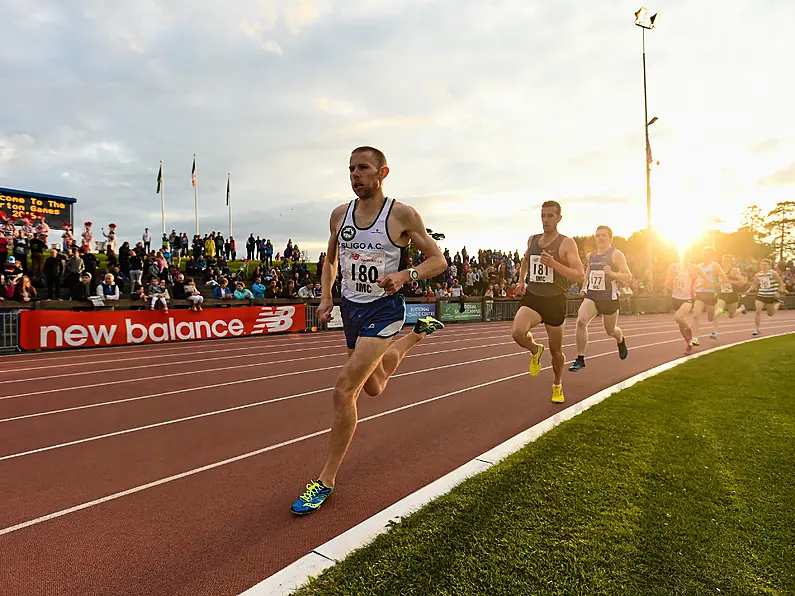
<point>206,268</point>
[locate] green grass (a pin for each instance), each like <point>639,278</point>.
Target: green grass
<point>682,484</point>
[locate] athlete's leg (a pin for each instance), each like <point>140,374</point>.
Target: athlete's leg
<point>698,308</point>
<point>731,309</point>
<point>680,318</point>
<point>772,308</point>
<point>720,306</point>
<point>611,327</point>
<point>358,368</point>
<point>555,337</point>
<point>759,306</point>
<point>397,350</point>
<point>585,315</point>
<point>523,322</point>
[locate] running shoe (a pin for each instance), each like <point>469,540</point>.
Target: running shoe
<point>742,309</point>
<point>757,332</point>
<point>427,326</point>
<point>714,336</point>
<point>578,364</point>
<point>622,348</point>
<point>694,341</point>
<point>316,493</point>
<point>557,394</point>
<point>535,361</point>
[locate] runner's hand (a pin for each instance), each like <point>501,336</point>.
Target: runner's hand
<point>520,288</point>
<point>608,271</point>
<point>547,259</point>
<point>324,310</point>
<point>393,282</point>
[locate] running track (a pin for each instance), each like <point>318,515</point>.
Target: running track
<point>115,471</point>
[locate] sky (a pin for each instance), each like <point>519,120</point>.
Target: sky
<point>484,110</point>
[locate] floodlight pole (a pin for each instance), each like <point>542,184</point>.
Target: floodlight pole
<point>640,22</point>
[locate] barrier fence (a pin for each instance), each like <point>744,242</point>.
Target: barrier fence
<point>122,324</point>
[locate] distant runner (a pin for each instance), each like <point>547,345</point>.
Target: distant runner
<point>681,282</point>
<point>553,262</point>
<point>767,284</point>
<point>606,267</point>
<point>706,297</point>
<point>729,292</point>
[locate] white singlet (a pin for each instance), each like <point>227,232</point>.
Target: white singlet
<point>367,255</point>
<point>683,284</point>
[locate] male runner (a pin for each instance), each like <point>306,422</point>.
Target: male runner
<point>729,293</point>
<point>369,236</point>
<point>554,263</point>
<point>705,292</point>
<point>601,293</point>
<point>767,284</point>
<point>681,282</point>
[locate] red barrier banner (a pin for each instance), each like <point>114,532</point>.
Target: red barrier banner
<point>54,329</point>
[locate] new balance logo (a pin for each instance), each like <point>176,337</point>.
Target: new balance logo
<point>273,319</point>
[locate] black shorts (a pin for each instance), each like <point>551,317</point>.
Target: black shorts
<point>732,298</point>
<point>605,307</point>
<point>551,308</point>
<point>678,302</point>
<point>708,298</point>
<point>767,299</point>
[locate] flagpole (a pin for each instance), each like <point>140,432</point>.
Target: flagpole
<point>229,202</point>
<point>162,199</point>
<point>196,195</point>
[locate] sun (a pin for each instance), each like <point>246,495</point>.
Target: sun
<point>675,227</point>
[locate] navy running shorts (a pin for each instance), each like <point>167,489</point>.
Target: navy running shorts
<point>384,317</point>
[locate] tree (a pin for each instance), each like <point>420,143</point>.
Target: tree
<point>435,235</point>
<point>780,225</point>
<point>754,221</point>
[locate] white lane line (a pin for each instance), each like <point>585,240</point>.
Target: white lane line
<point>263,378</point>
<point>170,374</point>
<point>295,575</point>
<point>268,377</point>
<point>237,458</point>
<point>220,354</point>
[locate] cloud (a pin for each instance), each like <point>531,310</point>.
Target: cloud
<point>484,110</point>
<point>783,177</point>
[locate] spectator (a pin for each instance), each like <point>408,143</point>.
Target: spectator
<point>158,293</point>
<point>53,271</point>
<point>108,290</point>
<point>223,291</point>
<point>24,291</point>
<point>81,290</point>
<point>241,292</point>
<point>258,289</point>
<point>193,295</point>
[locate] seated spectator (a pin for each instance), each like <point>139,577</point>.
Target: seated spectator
<point>108,290</point>
<point>82,289</point>
<point>272,291</point>
<point>223,291</point>
<point>241,292</point>
<point>24,290</point>
<point>258,289</point>
<point>179,287</point>
<point>289,292</point>
<point>158,293</point>
<point>193,295</point>
<point>306,291</point>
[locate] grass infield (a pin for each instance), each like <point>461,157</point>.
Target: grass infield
<point>681,484</point>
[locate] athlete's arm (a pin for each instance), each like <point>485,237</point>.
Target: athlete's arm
<point>521,285</point>
<point>574,272</point>
<point>624,275</point>
<point>782,288</point>
<point>329,274</point>
<point>414,228</point>
<point>700,273</point>
<point>754,284</point>
<point>722,276</point>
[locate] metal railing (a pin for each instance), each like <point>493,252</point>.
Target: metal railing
<point>9,331</point>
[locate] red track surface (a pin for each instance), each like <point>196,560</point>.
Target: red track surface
<point>221,530</point>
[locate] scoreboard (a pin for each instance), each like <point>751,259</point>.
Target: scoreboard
<point>18,203</point>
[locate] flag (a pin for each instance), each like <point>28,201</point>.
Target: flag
<point>160,177</point>
<point>648,153</point>
<point>227,189</point>
<point>193,173</point>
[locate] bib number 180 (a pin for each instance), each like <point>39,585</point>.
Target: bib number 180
<point>364,274</point>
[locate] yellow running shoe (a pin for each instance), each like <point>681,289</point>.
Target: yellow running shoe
<point>557,394</point>
<point>535,361</point>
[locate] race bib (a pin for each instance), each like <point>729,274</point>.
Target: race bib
<point>726,288</point>
<point>680,284</point>
<point>365,268</point>
<point>596,281</point>
<point>540,273</point>
<point>764,283</point>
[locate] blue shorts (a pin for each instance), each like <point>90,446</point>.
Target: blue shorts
<point>381,318</point>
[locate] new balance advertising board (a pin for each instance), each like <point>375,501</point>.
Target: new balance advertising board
<point>53,329</point>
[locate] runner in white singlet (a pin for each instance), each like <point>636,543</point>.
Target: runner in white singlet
<point>706,297</point>
<point>369,239</point>
<point>681,282</point>
<point>767,284</point>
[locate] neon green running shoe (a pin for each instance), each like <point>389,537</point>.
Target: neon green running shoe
<point>427,326</point>
<point>316,493</point>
